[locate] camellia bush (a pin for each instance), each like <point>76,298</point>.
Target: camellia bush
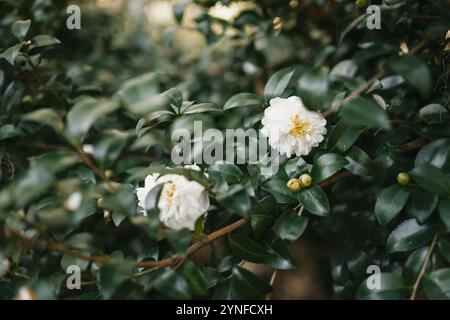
<point>102,196</point>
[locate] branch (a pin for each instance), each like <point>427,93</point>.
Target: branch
<point>424,268</point>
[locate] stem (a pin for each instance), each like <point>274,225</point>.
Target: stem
<point>424,268</point>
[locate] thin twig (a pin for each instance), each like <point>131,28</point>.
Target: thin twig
<point>271,283</point>
<point>424,268</point>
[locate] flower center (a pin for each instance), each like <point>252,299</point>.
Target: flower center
<point>299,127</point>
<point>170,191</point>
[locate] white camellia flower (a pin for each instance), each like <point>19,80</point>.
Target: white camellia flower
<point>181,202</point>
<point>291,128</point>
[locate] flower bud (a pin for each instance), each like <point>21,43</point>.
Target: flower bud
<point>109,174</point>
<point>100,202</point>
<point>403,178</point>
<point>305,180</point>
<point>362,4</point>
<point>294,184</point>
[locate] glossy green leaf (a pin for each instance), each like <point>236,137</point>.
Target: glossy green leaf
<point>437,285</point>
<point>364,112</point>
<point>290,226</point>
<point>359,162</point>
<point>421,204</point>
<point>415,72</point>
<point>20,28</point>
<point>444,211</point>
<point>242,284</point>
<point>342,137</point>
<point>277,83</point>
<point>432,179</point>
<point>392,287</point>
<point>248,249</point>
<point>243,100</point>
<point>408,235</point>
<point>327,165</point>
<point>314,200</point>
<point>312,87</point>
<point>84,114</point>
<point>390,202</point>
<point>45,116</point>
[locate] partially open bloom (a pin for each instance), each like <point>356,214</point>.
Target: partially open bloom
<point>291,128</point>
<point>181,201</point>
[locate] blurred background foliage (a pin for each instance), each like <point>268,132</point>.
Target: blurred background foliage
<point>81,124</point>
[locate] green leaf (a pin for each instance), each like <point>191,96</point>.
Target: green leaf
<point>431,179</point>
<point>364,112</point>
<point>27,187</point>
<point>347,24</point>
<point>290,226</point>
<point>312,87</point>
<point>437,285</point>
<point>85,112</point>
<point>444,249</point>
<point>327,165</point>
<point>178,11</point>
<point>241,285</point>
<point>434,113</point>
<point>444,212</point>
<point>20,28</point>
<point>279,190</point>
<point>121,203</point>
<point>248,249</point>
<point>201,108</point>
<point>45,116</point>
<point>421,204</point>
<point>11,53</point>
<point>342,137</point>
<point>359,163</point>
<point>392,287</point>
<point>171,284</point>
<point>390,202</point>
<point>179,240</point>
<point>9,131</point>
<point>243,100</point>
<point>277,83</point>
<point>195,279</point>
<point>408,235</point>
<point>281,257</point>
<point>314,200</point>
<point>236,199</point>
<point>230,172</point>
<point>142,96</point>
<point>415,72</point>
<point>42,41</point>
<point>414,264</point>
<point>110,147</point>
<point>436,153</point>
<point>57,161</point>
<point>260,223</point>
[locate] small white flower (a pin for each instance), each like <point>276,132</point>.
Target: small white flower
<point>291,128</point>
<point>181,202</point>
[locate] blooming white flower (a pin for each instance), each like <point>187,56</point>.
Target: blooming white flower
<point>181,201</point>
<point>291,128</point>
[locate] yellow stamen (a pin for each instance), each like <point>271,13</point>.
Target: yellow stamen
<point>299,127</point>
<point>170,191</point>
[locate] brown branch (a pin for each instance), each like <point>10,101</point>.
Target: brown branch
<point>424,268</point>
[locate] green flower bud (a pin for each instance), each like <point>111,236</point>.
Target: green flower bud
<point>403,178</point>
<point>305,180</point>
<point>294,184</point>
